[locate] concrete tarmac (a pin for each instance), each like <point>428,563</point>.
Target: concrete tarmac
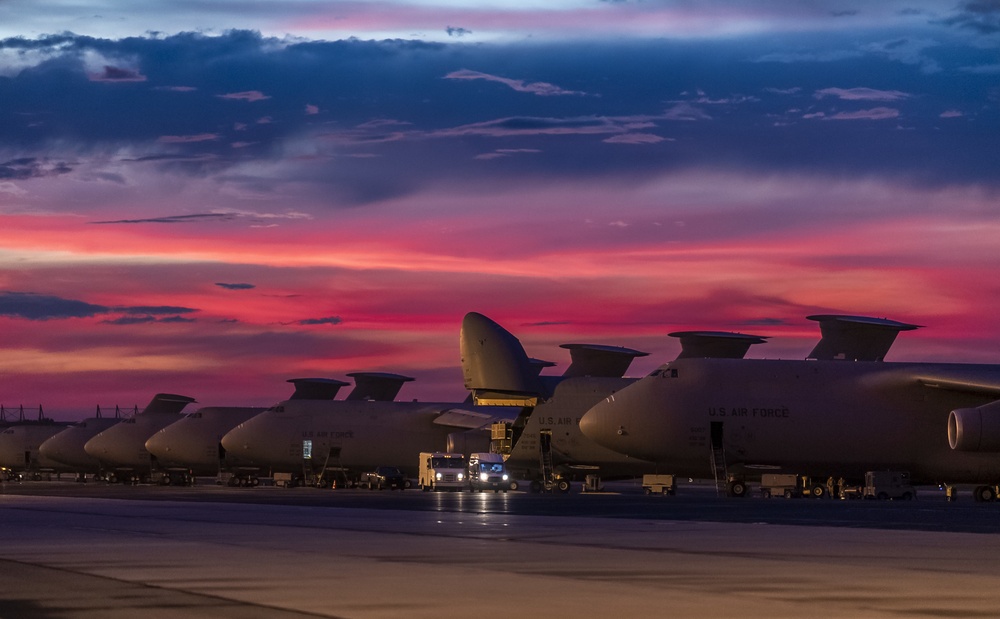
<point>86,557</point>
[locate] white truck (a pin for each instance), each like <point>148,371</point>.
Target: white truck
<point>488,472</point>
<point>442,471</point>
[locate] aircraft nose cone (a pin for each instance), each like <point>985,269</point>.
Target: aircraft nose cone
<point>493,359</point>
<point>605,425</point>
<point>237,441</point>
<point>159,444</point>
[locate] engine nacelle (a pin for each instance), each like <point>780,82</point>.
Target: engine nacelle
<point>975,429</point>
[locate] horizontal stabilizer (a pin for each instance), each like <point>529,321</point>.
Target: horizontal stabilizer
<point>855,338</point>
<point>378,386</point>
<point>599,361</point>
<point>715,344</point>
<point>167,403</point>
<point>461,418</point>
<point>493,359</point>
<point>316,388</point>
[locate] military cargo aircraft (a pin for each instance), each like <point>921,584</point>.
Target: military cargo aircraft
<point>841,412</point>
<point>333,441</point>
<point>192,446</point>
<point>19,443</point>
<point>543,443</point>
<point>121,449</point>
<point>66,446</point>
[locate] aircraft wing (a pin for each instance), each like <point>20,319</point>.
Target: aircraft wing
<point>968,381</point>
<point>467,419</point>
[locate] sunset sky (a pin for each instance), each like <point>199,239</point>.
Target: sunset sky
<point>209,198</point>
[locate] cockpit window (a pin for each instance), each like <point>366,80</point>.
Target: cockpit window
<point>665,372</point>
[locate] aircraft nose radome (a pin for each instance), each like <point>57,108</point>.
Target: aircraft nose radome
<point>493,359</point>
<point>236,440</point>
<point>159,444</point>
<point>599,423</point>
<point>97,447</point>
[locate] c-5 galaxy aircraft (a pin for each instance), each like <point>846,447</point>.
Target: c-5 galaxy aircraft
<point>192,446</point>
<point>121,449</point>
<point>840,412</point>
<point>544,443</point>
<point>66,447</point>
<point>330,441</point>
<point>19,443</point>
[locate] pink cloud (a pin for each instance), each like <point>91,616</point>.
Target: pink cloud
<point>536,88</point>
<point>248,95</point>
<point>186,139</point>
<point>861,94</point>
<point>635,138</point>
<point>875,113</point>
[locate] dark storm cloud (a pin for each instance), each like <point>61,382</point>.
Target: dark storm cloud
<point>31,167</point>
<point>175,219</point>
<point>45,307</point>
<point>331,320</point>
<point>235,286</point>
<point>210,104</point>
<point>153,309</point>
<point>116,74</point>
<point>983,16</point>
<point>34,306</point>
<point>457,32</point>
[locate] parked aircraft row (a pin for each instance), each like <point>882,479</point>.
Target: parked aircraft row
<point>708,413</point>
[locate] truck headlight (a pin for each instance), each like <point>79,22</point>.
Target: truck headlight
<point>483,477</point>
<point>505,476</point>
<point>461,477</point>
<point>437,476</point>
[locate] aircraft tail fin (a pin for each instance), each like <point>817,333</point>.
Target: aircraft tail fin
<point>167,403</point>
<point>855,338</point>
<point>715,344</point>
<point>378,386</point>
<point>316,388</point>
<point>494,365</point>
<point>598,360</point>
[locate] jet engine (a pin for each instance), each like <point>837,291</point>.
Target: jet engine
<point>975,429</point>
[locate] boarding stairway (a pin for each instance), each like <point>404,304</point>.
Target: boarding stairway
<point>719,461</point>
<point>545,458</point>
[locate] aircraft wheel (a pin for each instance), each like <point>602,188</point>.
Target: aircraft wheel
<point>563,486</point>
<point>984,494</point>
<point>737,489</point>
<point>818,491</point>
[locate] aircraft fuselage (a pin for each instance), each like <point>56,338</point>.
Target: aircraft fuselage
<point>812,417</point>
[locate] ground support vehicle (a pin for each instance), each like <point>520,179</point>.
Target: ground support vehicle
<point>791,486</point>
<point>659,484</point>
<point>442,471</point>
<point>488,472</point>
<point>383,477</point>
<point>884,485</point>
<point>173,477</point>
